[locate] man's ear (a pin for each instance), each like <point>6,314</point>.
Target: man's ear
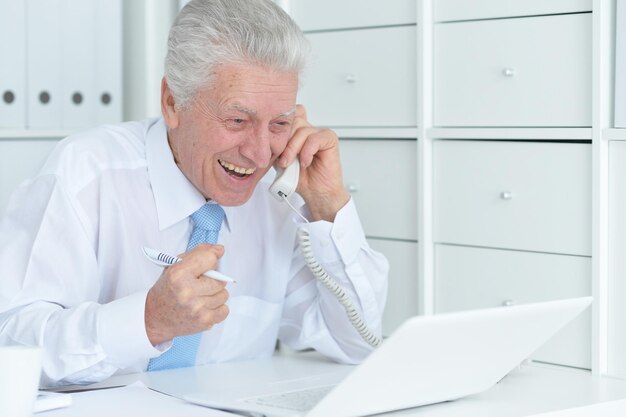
<point>168,106</point>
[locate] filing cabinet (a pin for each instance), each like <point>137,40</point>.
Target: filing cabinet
<point>511,212</point>
<point>517,195</point>
<point>381,176</point>
<point>359,81</point>
<point>470,277</point>
<point>501,212</point>
<point>505,72</point>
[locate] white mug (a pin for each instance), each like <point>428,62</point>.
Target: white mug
<point>20,370</point>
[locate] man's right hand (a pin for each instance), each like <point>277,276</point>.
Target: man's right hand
<point>183,301</point>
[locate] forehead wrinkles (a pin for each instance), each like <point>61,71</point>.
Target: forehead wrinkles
<point>252,93</point>
<point>275,92</point>
<point>212,103</point>
<point>254,84</point>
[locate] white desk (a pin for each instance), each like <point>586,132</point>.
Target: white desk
<point>530,390</point>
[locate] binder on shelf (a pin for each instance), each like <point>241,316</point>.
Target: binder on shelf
<point>44,73</point>
<point>13,69</point>
<point>620,64</point>
<point>78,65</point>
<point>108,61</point>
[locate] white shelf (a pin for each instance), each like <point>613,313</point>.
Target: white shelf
<point>533,133</point>
<point>614,134</point>
<point>35,133</point>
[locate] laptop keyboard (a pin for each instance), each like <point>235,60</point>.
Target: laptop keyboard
<point>300,400</point>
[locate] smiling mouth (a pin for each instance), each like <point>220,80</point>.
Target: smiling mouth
<point>235,170</point>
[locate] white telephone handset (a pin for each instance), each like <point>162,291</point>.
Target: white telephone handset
<point>284,185</point>
<point>286,181</point>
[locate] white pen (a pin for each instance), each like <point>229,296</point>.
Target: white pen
<point>163,259</point>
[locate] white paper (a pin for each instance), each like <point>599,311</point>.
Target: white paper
<point>51,401</point>
<point>131,401</point>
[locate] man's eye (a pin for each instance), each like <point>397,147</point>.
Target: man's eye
<point>235,122</point>
<point>280,127</point>
<point>282,124</point>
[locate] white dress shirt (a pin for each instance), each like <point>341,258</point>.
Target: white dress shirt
<point>73,278</point>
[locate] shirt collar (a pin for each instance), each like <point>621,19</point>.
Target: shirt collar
<point>175,196</point>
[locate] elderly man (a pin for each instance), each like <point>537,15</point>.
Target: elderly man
<point>72,275</point>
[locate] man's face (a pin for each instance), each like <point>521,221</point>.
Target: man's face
<point>233,131</point>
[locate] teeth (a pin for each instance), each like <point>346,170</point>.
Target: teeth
<point>238,170</point>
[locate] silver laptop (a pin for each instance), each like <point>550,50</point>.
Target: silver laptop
<point>429,359</point>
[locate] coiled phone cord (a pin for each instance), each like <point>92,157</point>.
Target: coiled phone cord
<point>332,286</point>
<point>329,282</point>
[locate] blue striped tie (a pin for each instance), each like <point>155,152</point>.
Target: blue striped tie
<point>207,224</point>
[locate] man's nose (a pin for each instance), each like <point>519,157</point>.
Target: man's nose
<point>257,147</point>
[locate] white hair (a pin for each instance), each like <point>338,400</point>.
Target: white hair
<point>211,32</point>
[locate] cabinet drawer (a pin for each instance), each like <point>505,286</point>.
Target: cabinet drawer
<point>357,80</point>
<point>332,14</point>
<point>470,278</point>
<point>516,195</point>
<point>528,72</point>
<point>402,296</point>
<point>381,175</point>
<point>451,10</point>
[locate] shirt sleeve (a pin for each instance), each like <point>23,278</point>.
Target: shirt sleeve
<point>312,316</point>
<point>50,291</point>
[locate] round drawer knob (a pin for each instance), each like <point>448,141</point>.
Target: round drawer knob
<point>105,98</point>
<point>8,96</point>
<point>77,98</point>
<point>508,72</point>
<point>506,195</point>
<point>508,303</point>
<point>352,188</point>
<point>44,97</point>
<point>351,78</point>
